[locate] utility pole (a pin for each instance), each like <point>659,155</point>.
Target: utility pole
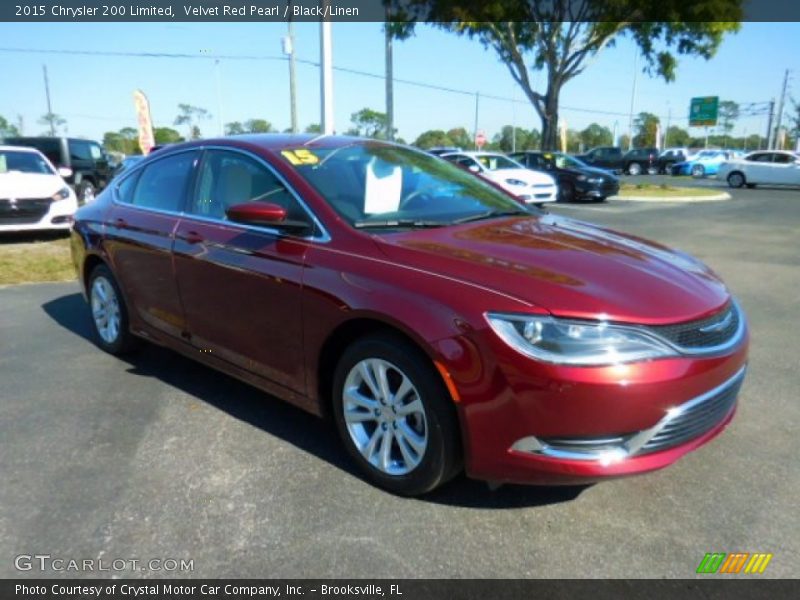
<point>633,101</point>
<point>666,129</point>
<point>769,125</point>
<point>288,49</point>
<point>49,107</point>
<point>326,76</point>
<point>475,131</point>
<point>219,98</point>
<point>780,108</point>
<point>389,81</point>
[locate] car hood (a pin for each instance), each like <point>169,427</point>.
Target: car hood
<point>571,268</point>
<point>15,184</point>
<point>592,172</point>
<point>527,175</point>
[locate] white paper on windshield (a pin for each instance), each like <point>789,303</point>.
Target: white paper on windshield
<point>384,184</point>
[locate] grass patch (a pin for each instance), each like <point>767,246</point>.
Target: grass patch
<point>652,190</point>
<point>34,257</point>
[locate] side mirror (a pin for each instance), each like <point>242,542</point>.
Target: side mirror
<point>64,172</point>
<point>264,214</point>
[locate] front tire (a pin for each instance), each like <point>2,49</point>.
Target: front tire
<point>395,416</point>
<point>567,192</point>
<point>634,169</point>
<point>109,313</point>
<point>698,171</point>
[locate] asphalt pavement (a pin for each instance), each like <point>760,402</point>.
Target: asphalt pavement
<point>158,457</point>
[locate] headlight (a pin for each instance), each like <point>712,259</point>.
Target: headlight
<point>515,182</point>
<point>597,180</point>
<point>61,194</point>
<point>563,341</point>
<point>581,178</point>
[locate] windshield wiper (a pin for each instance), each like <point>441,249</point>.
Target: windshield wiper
<point>491,214</point>
<point>415,223</point>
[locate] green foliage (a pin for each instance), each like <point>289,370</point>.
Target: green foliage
<point>314,128</point>
<point>369,123</point>
<point>432,138</point>
<point>677,136</point>
<point>126,141</point>
<point>249,126</point>
<point>166,135</point>
<point>518,138</point>
<point>561,37</point>
<point>596,135</point>
<point>7,129</point>
<point>728,114</point>
<point>646,127</point>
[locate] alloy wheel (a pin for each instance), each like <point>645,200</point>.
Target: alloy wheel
<point>385,416</point>
<point>105,309</point>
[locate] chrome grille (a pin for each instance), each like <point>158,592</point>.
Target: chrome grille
<point>717,330</point>
<point>695,418</point>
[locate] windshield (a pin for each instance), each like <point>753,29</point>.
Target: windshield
<point>391,186</point>
<point>564,161</point>
<point>23,162</point>
<point>496,161</point>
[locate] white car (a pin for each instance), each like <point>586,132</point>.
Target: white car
<point>768,167</point>
<point>33,194</point>
<point>533,187</point>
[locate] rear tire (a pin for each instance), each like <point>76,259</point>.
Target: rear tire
<point>698,171</point>
<point>109,313</point>
<point>634,169</point>
<point>736,179</point>
<point>394,415</point>
<point>86,192</point>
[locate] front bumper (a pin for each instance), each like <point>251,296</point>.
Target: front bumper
<point>595,190</point>
<point>536,423</point>
<point>37,215</point>
<point>538,194</point>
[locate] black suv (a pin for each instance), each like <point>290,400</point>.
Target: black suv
<point>641,160</point>
<point>86,159</point>
<point>604,157</point>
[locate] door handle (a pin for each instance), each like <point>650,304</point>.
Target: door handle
<point>192,237</point>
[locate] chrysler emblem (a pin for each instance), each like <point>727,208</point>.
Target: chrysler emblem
<point>716,327</point>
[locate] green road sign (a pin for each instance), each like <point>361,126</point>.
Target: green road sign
<point>703,111</point>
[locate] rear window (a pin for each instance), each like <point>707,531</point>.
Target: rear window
<point>50,147</point>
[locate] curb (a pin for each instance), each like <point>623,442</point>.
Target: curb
<point>663,199</point>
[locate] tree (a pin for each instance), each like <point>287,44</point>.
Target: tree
<point>369,123</point>
<point>166,135</point>
<point>126,141</point>
<point>676,136</point>
<point>513,138</point>
<point>257,126</point>
<point>560,37</point>
<point>432,138</point>
<point>461,138</point>
<point>624,140</point>
<point>191,116</point>
<point>727,115</point>
<point>646,127</point>
<point>314,128</point>
<point>7,129</point>
<point>53,122</point>
<point>794,123</point>
<point>596,135</point>
<point>234,128</point>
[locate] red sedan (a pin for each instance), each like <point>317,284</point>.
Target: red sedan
<point>443,325</point>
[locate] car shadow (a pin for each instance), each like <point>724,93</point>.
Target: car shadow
<point>27,237</point>
<point>289,423</point>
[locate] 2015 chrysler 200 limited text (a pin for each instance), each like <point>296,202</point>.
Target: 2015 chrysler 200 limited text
<point>442,324</point>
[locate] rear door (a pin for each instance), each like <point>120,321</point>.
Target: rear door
<point>759,167</point>
<point>241,285</point>
<point>785,168</point>
<point>141,225</point>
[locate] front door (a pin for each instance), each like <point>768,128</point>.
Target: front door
<point>241,285</point>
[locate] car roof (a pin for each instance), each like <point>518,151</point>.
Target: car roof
<point>19,149</point>
<point>476,154</point>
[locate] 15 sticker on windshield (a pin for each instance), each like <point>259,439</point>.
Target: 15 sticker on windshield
<point>300,156</point>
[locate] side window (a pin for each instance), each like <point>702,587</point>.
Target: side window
<point>762,157</point>
<point>228,178</point>
<point>79,150</point>
<point>95,152</point>
<point>162,184</point>
<point>125,188</point>
<point>781,158</point>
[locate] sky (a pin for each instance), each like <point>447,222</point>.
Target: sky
<point>94,93</point>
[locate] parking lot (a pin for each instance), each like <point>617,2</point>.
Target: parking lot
<point>157,457</point>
